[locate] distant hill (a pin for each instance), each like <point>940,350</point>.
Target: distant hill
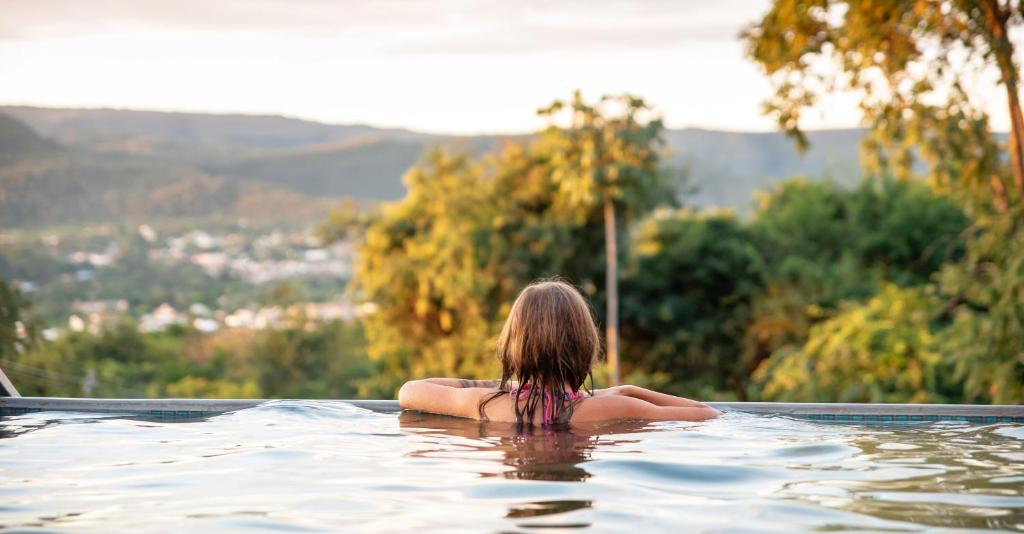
<point>95,126</point>
<point>18,140</point>
<point>368,170</point>
<point>43,183</point>
<point>728,167</point>
<point>76,166</point>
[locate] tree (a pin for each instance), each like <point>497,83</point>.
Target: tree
<point>443,264</point>
<point>688,286</point>
<point>18,330</point>
<point>424,264</point>
<point>607,157</point>
<point>825,245</point>
<point>901,228</point>
<point>913,62</point>
<point>985,295</point>
<point>887,350</point>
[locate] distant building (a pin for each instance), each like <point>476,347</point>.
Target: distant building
<point>203,240</point>
<point>94,315</point>
<point>161,318</point>
<point>112,306</point>
<point>329,311</point>
<point>26,286</point>
<point>241,318</point>
<point>205,325</point>
<point>76,324</point>
<point>316,254</point>
<point>148,233</point>
<point>214,263</point>
<point>199,309</point>
<point>271,317</point>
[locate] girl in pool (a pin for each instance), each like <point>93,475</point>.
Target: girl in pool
<point>547,348</point>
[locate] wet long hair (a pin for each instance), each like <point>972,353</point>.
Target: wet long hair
<point>549,343</point>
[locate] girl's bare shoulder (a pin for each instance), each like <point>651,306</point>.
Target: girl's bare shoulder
<point>603,408</point>
<point>497,405</point>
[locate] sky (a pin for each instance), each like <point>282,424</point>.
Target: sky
<point>453,66</point>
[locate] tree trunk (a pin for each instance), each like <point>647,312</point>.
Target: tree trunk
<point>997,17</point>
<point>1000,199</point>
<point>612,289</point>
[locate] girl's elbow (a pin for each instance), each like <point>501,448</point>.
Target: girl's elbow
<point>405,394</point>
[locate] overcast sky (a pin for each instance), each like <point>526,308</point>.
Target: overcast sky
<point>444,66</point>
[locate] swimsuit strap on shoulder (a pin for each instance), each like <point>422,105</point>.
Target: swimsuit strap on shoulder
<point>549,406</point>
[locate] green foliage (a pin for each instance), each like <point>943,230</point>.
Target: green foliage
<point>421,263</point>
<point>610,151</point>
<point>883,292</point>
<point>443,264</point>
<point>886,350</point>
<point>913,62</point>
<point>825,245</point>
<point>956,340</point>
<point>986,298</point>
<point>687,292</point>
<point>118,362</point>
<point>902,229</point>
<point>327,361</point>
<point>17,329</point>
<point>706,298</point>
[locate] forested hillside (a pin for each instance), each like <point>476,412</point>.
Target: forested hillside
<point>91,166</point>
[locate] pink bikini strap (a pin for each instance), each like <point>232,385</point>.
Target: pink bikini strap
<point>549,406</point>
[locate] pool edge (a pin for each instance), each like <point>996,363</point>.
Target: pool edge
<point>837,412</point>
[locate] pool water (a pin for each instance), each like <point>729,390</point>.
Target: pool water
<point>315,466</point>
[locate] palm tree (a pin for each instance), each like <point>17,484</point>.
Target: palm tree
<point>606,161</point>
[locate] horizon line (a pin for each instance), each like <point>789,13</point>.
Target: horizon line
<point>492,133</point>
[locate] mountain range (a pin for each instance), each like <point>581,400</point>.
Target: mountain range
<point>86,166</point>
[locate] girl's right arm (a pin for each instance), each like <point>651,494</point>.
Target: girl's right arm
<point>656,398</point>
<point>626,407</point>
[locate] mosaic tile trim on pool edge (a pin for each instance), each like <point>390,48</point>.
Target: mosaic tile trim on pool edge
<point>852,418</point>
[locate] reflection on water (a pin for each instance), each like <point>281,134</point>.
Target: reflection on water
<point>531,453</point>
<point>328,466</point>
<point>977,483</point>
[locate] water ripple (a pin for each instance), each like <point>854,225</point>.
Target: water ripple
<point>312,466</point>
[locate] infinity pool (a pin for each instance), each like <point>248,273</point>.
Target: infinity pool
<point>309,466</point>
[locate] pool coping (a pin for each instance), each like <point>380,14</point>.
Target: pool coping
<point>817,411</point>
